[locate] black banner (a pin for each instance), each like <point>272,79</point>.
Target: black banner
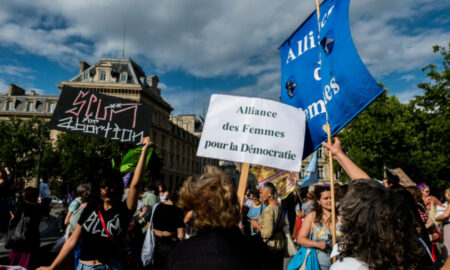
<point>90,113</point>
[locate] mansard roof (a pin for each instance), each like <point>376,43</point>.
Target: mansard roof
<point>118,65</point>
<point>20,102</point>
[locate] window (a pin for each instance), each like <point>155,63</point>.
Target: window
<point>123,77</point>
<point>102,75</point>
<point>320,171</point>
<point>9,105</point>
<point>51,107</point>
<point>319,152</point>
<point>30,106</point>
<point>86,76</point>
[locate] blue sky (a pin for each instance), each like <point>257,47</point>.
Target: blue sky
<point>201,47</point>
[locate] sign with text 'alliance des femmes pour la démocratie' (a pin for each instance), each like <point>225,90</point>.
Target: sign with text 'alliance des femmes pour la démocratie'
<point>93,114</point>
<point>253,130</point>
<point>322,73</point>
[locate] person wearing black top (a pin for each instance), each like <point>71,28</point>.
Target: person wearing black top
<point>24,253</point>
<point>5,184</point>
<point>105,220</point>
<point>218,244</point>
<point>169,229</point>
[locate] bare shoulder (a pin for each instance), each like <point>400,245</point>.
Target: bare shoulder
<point>311,216</point>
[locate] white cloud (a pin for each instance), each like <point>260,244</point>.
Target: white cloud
<point>406,96</point>
<point>408,77</point>
<point>3,86</point>
<point>14,70</point>
<point>213,38</point>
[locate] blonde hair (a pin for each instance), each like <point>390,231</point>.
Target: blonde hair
<point>213,199</point>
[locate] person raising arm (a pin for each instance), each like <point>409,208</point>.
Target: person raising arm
<point>101,248</point>
<point>352,170</point>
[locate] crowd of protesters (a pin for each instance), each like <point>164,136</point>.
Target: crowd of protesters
<point>201,225</point>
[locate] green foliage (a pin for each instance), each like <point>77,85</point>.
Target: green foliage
<point>19,144</point>
<point>433,120</point>
<point>81,157</point>
<point>414,136</point>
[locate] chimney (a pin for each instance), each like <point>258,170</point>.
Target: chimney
<point>83,66</point>
<point>15,90</point>
<point>153,81</point>
<point>32,92</point>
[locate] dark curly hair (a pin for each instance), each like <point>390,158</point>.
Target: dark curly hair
<point>378,228</point>
<point>213,199</point>
<point>317,208</point>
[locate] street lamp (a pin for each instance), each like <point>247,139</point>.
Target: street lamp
<point>41,127</point>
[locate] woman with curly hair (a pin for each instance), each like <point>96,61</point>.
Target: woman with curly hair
<point>218,244</point>
<point>378,229</point>
<point>316,228</point>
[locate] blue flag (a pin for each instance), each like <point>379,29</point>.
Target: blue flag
<point>312,177</point>
<point>323,74</point>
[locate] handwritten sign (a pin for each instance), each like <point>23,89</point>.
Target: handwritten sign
<point>253,130</point>
<point>90,113</point>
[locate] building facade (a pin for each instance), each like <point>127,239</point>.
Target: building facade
<point>176,137</point>
<point>16,102</point>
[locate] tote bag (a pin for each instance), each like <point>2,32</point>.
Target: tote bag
<point>17,234</point>
<point>148,248</point>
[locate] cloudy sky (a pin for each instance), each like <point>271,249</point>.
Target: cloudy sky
<point>201,47</point>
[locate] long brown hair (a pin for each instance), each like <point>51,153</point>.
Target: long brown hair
<point>317,208</point>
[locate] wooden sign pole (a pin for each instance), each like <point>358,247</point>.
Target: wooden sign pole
<point>327,129</point>
<point>243,182</point>
<point>333,201</point>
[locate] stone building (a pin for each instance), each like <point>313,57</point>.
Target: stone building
<point>16,102</point>
<point>176,137</point>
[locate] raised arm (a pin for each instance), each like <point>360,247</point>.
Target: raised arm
<point>133,193</point>
<point>352,170</point>
<point>68,246</point>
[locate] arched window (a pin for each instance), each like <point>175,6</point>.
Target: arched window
<point>9,105</point>
<point>30,106</point>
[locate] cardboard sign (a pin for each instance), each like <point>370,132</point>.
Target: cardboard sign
<point>93,114</point>
<point>255,131</point>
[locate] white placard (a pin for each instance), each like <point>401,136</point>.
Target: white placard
<point>255,131</point>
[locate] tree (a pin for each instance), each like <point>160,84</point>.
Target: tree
<point>81,158</point>
<point>19,144</point>
<point>432,110</point>
<point>414,136</point>
<point>379,137</point>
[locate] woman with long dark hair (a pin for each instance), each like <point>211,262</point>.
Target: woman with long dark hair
<point>105,220</point>
<point>378,230</point>
<point>316,228</point>
<point>378,224</point>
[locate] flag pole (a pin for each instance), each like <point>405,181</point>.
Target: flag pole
<point>327,129</point>
<point>243,182</point>
<point>333,201</point>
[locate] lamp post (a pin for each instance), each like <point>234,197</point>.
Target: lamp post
<point>41,126</point>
